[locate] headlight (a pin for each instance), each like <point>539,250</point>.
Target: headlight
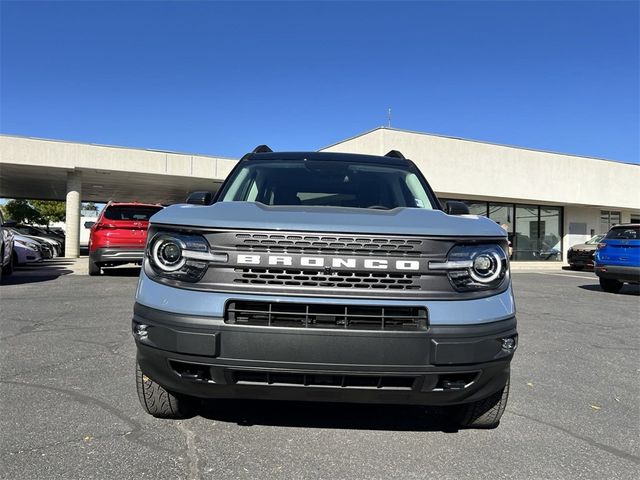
<point>166,253</point>
<point>474,267</point>
<point>28,246</point>
<point>181,256</point>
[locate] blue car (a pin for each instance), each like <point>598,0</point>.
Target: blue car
<point>617,259</point>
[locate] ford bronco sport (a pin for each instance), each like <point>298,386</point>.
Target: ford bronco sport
<point>325,277</point>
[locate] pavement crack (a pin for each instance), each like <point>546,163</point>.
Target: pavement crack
<point>71,441</point>
<point>600,446</point>
<point>193,457</point>
<point>50,368</point>
<point>111,347</point>
<point>135,431</point>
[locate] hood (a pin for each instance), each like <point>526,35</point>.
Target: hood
<point>42,239</point>
<point>584,246</point>
<point>27,240</point>
<point>399,221</point>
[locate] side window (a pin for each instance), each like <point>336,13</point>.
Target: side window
<point>253,192</point>
<point>420,198</point>
<point>238,186</point>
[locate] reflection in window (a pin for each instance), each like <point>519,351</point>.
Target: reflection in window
<point>608,219</point>
<point>535,232</point>
<point>525,238</point>
<point>477,208</point>
<point>502,214</point>
<point>549,234</point>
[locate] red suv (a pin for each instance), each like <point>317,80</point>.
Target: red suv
<point>120,234</point>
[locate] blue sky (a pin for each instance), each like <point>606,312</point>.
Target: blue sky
<point>219,78</point>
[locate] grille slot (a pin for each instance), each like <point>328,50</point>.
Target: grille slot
<point>311,278</point>
<point>323,380</point>
<point>303,315</point>
<point>330,244</point>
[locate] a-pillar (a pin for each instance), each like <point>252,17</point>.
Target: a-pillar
<point>72,230</point>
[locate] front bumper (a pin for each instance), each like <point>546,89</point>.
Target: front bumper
<point>205,357</point>
<point>585,259</point>
<point>617,272</point>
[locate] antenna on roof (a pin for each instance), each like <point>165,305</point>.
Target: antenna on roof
<point>389,117</point>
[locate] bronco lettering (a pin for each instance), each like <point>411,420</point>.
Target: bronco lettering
<point>335,262</point>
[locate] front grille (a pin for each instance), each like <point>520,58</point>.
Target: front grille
<point>309,244</point>
<point>304,315</point>
<point>317,279</point>
<point>323,380</point>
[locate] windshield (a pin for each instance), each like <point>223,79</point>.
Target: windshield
<point>594,240</point>
<point>27,230</point>
<point>134,212</point>
<point>327,183</point>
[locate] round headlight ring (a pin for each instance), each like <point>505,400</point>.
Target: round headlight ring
<point>487,267</point>
<point>166,252</point>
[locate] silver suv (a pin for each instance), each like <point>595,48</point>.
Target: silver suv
<point>325,277</point>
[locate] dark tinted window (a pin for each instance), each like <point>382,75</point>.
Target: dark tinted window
<point>624,233</point>
<point>328,183</point>
<point>135,213</point>
<point>27,230</point>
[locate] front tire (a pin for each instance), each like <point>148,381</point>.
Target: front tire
<point>485,413</point>
<point>8,268</point>
<point>577,267</point>
<point>159,402</point>
<point>610,285</point>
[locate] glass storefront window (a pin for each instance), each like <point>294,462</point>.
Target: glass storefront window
<point>608,219</point>
<point>525,237</point>
<point>502,214</point>
<point>534,231</point>
<point>477,208</point>
<point>549,234</point>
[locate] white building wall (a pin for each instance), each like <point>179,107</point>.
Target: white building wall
<point>457,167</point>
<point>465,169</point>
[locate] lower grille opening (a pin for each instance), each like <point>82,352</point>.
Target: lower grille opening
<point>304,315</point>
<point>374,382</point>
<point>455,381</point>
<point>192,371</point>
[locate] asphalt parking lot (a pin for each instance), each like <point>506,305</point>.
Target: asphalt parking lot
<point>70,410</point>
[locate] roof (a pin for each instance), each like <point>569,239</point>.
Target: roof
<point>327,156</point>
<point>132,204</point>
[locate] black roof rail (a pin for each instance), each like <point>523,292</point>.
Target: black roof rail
<point>258,149</point>
<point>395,154</point>
<point>262,149</point>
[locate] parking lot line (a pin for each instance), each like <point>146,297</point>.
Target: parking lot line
<point>567,275</point>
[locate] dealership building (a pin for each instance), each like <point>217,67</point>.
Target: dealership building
<point>547,201</point>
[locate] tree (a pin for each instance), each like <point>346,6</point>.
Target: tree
<point>21,211</point>
<point>50,211</point>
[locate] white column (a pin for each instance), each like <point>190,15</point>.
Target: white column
<point>72,231</point>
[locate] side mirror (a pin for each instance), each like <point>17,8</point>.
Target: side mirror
<point>89,224</point>
<point>10,223</point>
<point>200,198</point>
<point>456,208</point>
